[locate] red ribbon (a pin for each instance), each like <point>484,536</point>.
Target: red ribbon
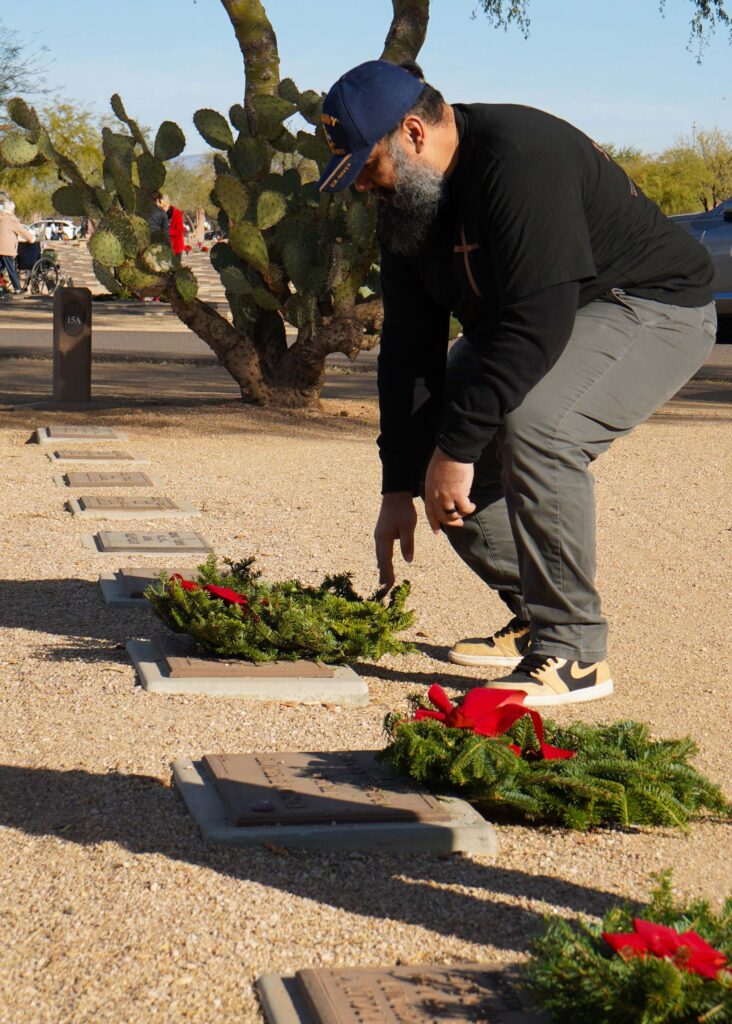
<point>490,713</point>
<point>224,593</point>
<point>687,950</point>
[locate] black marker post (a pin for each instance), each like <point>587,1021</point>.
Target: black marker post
<point>72,338</point>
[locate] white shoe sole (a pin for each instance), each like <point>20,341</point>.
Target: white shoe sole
<point>573,697</point>
<point>500,661</point>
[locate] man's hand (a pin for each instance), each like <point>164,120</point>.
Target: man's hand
<point>447,491</point>
<point>397,521</point>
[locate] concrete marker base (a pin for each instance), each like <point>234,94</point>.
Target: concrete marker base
<point>143,543</point>
<point>42,435</point>
<point>183,510</point>
<point>344,688</point>
<point>465,831</point>
<point>116,458</point>
<point>155,481</point>
<point>116,594</point>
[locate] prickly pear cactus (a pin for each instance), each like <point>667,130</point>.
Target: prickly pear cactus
<point>126,258</point>
<point>288,247</point>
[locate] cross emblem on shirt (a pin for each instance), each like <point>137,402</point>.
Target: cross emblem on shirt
<point>465,249</point>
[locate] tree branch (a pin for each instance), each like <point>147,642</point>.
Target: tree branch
<point>407,31</point>
<point>258,45</point>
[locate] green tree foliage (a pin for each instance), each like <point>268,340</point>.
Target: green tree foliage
<point>694,174</point>
<point>189,186</point>
<point>706,17</point>
<point>77,131</point>
<point>619,778</point>
<point>284,621</point>
<point>576,976</point>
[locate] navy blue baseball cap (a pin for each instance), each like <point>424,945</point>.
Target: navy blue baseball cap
<point>363,106</point>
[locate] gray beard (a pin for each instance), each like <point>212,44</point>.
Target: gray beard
<point>407,214</point>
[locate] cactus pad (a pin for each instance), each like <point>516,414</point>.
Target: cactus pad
<point>68,201</point>
<point>138,280</point>
<point>249,157</point>
<point>288,91</point>
<point>271,112</point>
<point>265,299</point>
<point>169,141</point>
<point>23,115</point>
<point>213,128</point>
<point>247,242</point>
<point>106,249</point>
<point>235,281</point>
<point>186,284</point>
<point>151,172</point>
<point>271,208</point>
<point>231,196</point>
<point>17,151</point>
<point>238,117</point>
<point>158,258</point>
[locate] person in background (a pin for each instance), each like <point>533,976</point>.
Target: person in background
<point>158,221</point>
<point>175,224</point>
<point>11,230</point>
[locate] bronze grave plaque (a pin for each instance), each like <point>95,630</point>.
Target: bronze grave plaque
<point>108,479</point>
<point>483,993</point>
<point>89,455</point>
<point>183,667</point>
<point>325,788</point>
<point>108,503</point>
<point>113,540</point>
<point>136,579</point>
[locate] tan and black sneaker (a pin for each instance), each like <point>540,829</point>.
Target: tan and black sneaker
<point>506,647</point>
<point>547,680</point>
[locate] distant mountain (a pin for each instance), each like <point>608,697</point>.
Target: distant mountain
<point>189,160</point>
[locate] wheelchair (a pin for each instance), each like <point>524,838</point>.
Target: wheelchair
<point>39,270</point>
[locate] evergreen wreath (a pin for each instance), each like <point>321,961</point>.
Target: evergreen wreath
<point>577,974</point>
<point>619,776</point>
<point>236,614</point>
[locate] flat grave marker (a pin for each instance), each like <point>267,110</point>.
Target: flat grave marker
<point>327,800</point>
<point>95,455</point>
<point>135,479</point>
<point>487,993</point>
<point>74,433</point>
<point>170,667</point>
<point>111,507</point>
<point>114,542</point>
<point>125,588</point>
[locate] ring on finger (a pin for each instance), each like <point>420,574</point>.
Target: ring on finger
<point>451,511</point>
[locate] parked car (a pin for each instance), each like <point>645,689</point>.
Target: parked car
<point>713,229</point>
<point>55,229</point>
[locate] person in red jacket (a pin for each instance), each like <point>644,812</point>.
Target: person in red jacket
<point>175,220</point>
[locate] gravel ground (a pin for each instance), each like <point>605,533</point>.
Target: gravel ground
<point>113,909</point>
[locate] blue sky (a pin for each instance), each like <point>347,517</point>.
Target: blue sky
<point>619,71</point>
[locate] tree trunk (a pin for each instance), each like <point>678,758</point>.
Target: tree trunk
<point>258,45</point>
<point>266,369</point>
<point>408,30</point>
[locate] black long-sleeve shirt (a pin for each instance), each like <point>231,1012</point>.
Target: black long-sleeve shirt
<point>537,221</point>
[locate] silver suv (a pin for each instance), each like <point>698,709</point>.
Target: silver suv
<point>714,230</point>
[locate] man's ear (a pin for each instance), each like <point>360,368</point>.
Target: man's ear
<point>414,130</point>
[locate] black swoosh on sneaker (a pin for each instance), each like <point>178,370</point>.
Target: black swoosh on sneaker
<point>584,682</point>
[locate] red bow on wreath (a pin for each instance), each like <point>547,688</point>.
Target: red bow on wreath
<point>230,596</point>
<point>489,713</point>
<point>687,950</point>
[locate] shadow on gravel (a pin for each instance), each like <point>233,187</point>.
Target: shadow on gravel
<point>68,608</point>
<point>144,816</point>
<point>431,675</point>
